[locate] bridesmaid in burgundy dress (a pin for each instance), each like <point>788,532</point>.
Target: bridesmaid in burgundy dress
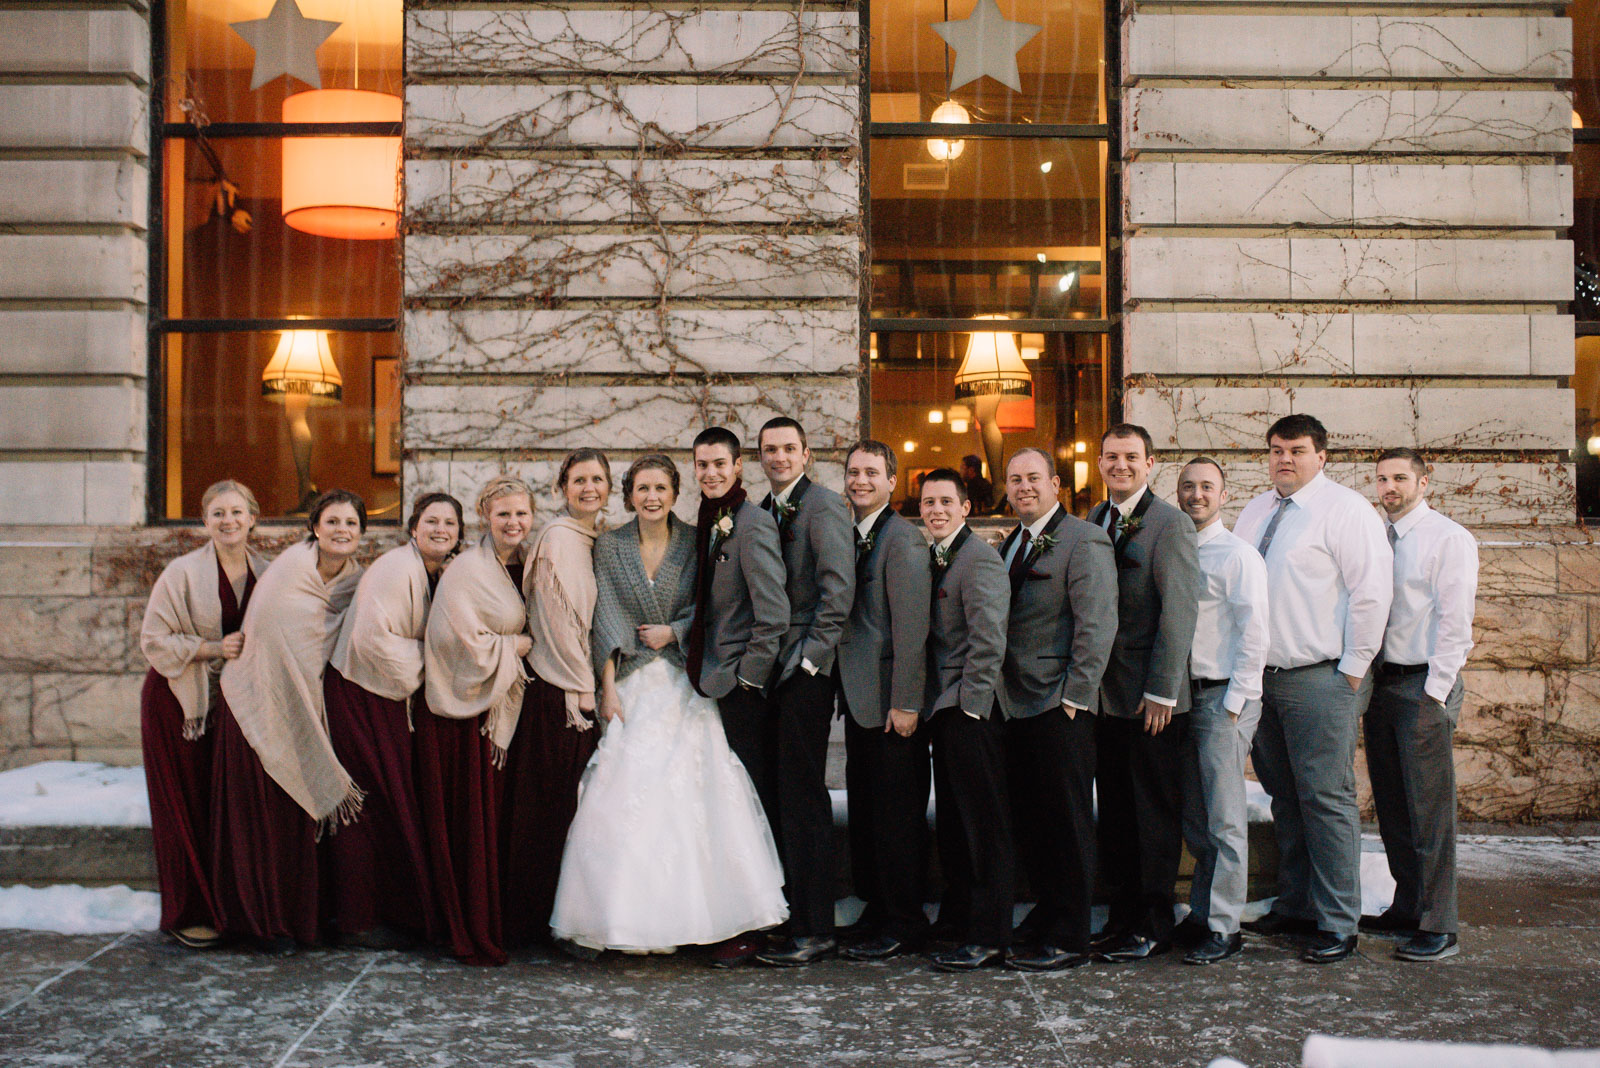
<point>191,626</point>
<point>474,677</point>
<point>377,868</point>
<point>277,785</point>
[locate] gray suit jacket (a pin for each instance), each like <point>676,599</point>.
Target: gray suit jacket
<point>883,656</point>
<point>1158,575</point>
<point>967,631</point>
<point>1063,619</point>
<point>819,559</point>
<point>747,611</point>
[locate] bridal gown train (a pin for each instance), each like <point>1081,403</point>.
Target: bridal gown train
<point>670,846</point>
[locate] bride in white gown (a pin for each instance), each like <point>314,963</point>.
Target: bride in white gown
<point>669,846</point>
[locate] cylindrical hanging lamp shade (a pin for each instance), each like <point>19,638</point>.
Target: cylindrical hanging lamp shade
<point>345,187</point>
<point>303,363</point>
<point>1014,414</point>
<point>993,365</point>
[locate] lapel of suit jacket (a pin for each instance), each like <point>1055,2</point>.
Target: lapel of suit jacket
<point>872,534</point>
<point>1020,575</point>
<point>1127,534</point>
<point>955,547</point>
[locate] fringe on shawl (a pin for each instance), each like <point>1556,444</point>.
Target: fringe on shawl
<point>348,812</point>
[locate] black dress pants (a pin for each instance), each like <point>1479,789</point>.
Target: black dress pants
<point>974,826</point>
<point>1050,764</point>
<point>1141,821</point>
<point>887,777</point>
<point>801,711</point>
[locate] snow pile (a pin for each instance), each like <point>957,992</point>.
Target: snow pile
<point>79,909</point>
<point>1323,1051</point>
<point>66,793</point>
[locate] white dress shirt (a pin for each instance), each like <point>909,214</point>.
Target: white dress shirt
<point>1435,583</point>
<point>864,527</point>
<point>1330,576</point>
<point>1125,509</point>
<point>1230,634</point>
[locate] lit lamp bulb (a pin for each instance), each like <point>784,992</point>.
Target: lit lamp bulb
<point>939,148</point>
<point>960,418</point>
<point>909,446</point>
<point>935,416</point>
<point>1593,445</point>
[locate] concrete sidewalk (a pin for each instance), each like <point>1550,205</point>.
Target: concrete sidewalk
<point>1529,973</point>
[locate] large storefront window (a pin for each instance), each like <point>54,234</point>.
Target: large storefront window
<point>277,275</point>
<point>1585,16</point>
<point>989,299</point>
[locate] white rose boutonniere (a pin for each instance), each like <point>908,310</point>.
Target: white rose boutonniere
<point>724,526</point>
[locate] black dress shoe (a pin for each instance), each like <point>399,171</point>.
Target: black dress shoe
<point>798,951</point>
<point>1132,948</point>
<point>880,948</point>
<point>968,958</point>
<point>1427,946</point>
<point>1217,947</point>
<point>1191,932</point>
<point>1389,924</point>
<point>1047,959</point>
<point>1276,923</point>
<point>1324,947</point>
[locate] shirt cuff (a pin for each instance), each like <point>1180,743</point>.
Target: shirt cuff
<point>1438,688</point>
<point>974,715</point>
<point>747,685</point>
<point>1233,702</point>
<point>1073,704</point>
<point>807,666</point>
<point>1355,666</point>
<point>1165,702</point>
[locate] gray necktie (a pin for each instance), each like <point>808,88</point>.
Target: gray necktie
<point>1394,536</point>
<point>1272,527</point>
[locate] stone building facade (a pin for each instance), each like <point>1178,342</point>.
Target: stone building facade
<point>622,222</point>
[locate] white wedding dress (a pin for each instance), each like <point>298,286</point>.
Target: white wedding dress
<point>669,846</point>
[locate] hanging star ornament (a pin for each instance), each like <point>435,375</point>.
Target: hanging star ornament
<point>986,42</point>
<point>286,43</point>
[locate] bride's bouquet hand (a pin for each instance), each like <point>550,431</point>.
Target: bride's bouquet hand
<point>656,635</point>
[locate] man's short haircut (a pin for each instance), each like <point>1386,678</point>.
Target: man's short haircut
<point>1129,430</point>
<point>718,435</point>
<point>782,422</point>
<point>873,447</point>
<point>1221,472</point>
<point>1049,461</point>
<point>1291,427</point>
<point>971,460</point>
<point>1401,452</point>
<point>944,474</point>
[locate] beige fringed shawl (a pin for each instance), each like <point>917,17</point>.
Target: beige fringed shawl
<point>184,612</point>
<point>274,688</point>
<point>469,658</point>
<point>561,610</point>
<point>380,645</point>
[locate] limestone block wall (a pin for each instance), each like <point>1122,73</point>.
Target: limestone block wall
<point>74,148</point>
<point>625,223</point>
<point>1361,216</point>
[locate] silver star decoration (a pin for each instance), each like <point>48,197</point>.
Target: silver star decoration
<point>986,42</point>
<point>285,43</point>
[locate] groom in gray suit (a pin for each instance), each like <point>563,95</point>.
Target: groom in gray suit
<point>1143,698</point>
<point>882,666</point>
<point>1063,621</point>
<point>741,613</point>
<point>819,561</point>
<point>966,646</point>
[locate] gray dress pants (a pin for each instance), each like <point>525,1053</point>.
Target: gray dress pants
<point>1304,755</point>
<point>1409,739</point>
<point>1215,819</point>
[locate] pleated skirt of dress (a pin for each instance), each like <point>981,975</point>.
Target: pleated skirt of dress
<point>376,869</point>
<point>265,871</point>
<point>458,799</point>
<point>177,774</point>
<point>539,795</point>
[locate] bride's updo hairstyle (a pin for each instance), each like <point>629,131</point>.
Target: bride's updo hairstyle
<point>654,461</point>
<point>503,486</point>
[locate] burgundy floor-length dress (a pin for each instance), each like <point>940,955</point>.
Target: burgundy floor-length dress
<point>177,774</point>
<point>457,792</point>
<point>376,868</point>
<point>539,796</point>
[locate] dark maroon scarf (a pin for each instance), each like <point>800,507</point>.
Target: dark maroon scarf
<point>711,509</point>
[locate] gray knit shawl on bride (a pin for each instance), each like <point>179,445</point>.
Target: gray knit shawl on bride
<point>626,598</point>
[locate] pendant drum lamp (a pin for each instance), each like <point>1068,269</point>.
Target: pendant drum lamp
<point>343,187</point>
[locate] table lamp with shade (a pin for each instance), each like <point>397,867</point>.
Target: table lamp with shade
<point>302,373</point>
<point>992,373</point>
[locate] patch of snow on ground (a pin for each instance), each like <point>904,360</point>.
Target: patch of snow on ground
<point>69,793</point>
<point>1519,855</point>
<point>79,909</point>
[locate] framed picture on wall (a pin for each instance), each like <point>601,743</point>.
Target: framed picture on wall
<point>385,415</point>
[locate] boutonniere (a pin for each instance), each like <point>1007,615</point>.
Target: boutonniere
<point>865,542</point>
<point>1130,524</point>
<point>724,525</point>
<point>941,556</point>
<point>1043,544</point>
